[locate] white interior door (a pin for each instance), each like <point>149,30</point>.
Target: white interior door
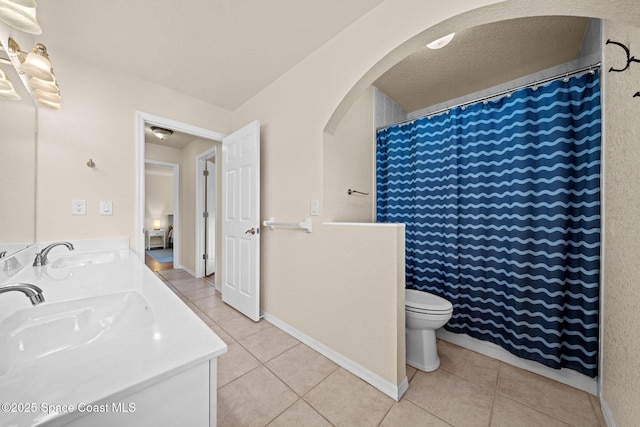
<point>240,277</point>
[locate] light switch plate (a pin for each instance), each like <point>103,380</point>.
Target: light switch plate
<point>78,207</point>
<point>315,207</point>
<point>106,207</point>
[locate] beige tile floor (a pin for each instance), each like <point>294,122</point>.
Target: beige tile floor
<point>268,378</point>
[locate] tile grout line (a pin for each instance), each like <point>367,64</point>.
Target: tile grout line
<point>526,404</point>
<point>387,413</point>
<point>300,398</point>
<point>495,395</point>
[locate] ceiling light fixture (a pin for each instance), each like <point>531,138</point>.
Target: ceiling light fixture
<point>441,42</point>
<point>161,133</point>
<point>44,86</point>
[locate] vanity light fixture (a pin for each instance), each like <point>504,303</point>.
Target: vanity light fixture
<point>49,104</point>
<point>46,96</point>
<point>20,14</point>
<point>44,85</point>
<point>45,88</point>
<point>37,64</point>
<point>161,133</point>
<point>441,42</point>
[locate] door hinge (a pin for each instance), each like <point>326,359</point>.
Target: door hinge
<point>205,173</point>
<point>205,256</point>
<point>205,214</point>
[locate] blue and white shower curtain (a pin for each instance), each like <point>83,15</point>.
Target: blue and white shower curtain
<point>502,210</point>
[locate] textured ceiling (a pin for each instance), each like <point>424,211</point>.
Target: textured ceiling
<point>482,57</point>
<point>220,51</point>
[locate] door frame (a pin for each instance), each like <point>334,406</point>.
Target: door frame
<point>142,119</point>
<point>200,163</point>
<point>176,208</point>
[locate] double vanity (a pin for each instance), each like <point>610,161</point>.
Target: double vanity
<point>110,344</point>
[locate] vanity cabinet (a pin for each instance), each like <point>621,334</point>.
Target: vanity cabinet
<point>111,345</point>
<point>185,399</point>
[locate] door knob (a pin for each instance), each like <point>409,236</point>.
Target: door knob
<point>250,231</point>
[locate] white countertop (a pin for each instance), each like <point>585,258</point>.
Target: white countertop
<point>170,340</point>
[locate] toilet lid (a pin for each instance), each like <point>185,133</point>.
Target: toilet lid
<point>419,300</point>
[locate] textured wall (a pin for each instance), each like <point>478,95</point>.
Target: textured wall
<point>349,163</point>
<point>621,373</point>
<point>97,121</point>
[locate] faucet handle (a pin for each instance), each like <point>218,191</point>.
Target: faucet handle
<point>39,262</point>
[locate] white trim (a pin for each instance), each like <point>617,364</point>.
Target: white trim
<point>141,119</point>
<point>200,161</point>
<point>606,413</point>
<point>565,376</point>
<point>393,391</point>
<point>366,224</point>
<point>177,228</point>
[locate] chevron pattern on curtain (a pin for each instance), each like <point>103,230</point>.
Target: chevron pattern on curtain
<point>502,210</point>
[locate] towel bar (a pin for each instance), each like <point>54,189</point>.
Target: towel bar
<point>304,225</point>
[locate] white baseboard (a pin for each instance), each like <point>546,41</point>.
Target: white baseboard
<point>565,376</point>
<point>392,390</point>
<point>606,413</point>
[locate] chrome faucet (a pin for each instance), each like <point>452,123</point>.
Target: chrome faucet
<point>41,257</point>
<point>33,292</point>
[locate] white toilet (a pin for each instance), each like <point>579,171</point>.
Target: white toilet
<point>425,313</point>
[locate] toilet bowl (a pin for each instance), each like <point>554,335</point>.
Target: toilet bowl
<point>424,313</point>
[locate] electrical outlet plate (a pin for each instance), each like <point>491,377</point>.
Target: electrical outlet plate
<point>78,207</point>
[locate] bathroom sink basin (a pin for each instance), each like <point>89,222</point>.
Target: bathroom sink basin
<point>85,259</point>
<point>48,329</point>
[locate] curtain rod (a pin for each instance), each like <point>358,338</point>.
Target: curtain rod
<point>499,94</point>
